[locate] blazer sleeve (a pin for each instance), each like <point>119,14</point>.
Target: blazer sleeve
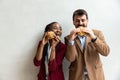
<point>100,44</point>
<point>71,52</point>
<point>36,62</point>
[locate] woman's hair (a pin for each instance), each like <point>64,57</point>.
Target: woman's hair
<point>47,28</point>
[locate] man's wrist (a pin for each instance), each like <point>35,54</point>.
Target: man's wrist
<point>71,42</point>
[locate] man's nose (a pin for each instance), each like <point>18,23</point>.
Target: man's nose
<point>80,22</point>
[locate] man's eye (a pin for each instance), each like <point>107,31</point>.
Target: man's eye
<point>83,20</point>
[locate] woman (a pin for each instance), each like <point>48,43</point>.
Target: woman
<point>50,54</point>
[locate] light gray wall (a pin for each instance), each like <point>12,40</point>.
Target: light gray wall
<point>22,23</point>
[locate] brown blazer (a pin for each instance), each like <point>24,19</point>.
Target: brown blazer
<point>90,57</point>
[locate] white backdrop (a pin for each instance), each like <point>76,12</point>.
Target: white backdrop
<point>22,23</point>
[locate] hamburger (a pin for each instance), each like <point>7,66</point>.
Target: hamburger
<point>50,34</point>
<point>81,33</point>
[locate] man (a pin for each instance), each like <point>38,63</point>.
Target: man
<point>83,51</point>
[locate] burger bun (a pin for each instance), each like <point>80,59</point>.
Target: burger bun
<point>81,33</point>
<point>50,34</point>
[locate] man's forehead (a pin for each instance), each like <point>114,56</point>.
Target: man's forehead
<point>80,16</point>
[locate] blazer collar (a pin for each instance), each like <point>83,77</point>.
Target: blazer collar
<point>78,43</point>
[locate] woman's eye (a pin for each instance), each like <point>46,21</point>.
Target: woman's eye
<point>55,28</point>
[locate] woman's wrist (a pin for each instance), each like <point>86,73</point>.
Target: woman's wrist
<point>53,48</point>
<point>42,44</point>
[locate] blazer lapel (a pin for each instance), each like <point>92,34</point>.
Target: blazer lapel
<point>78,44</point>
<point>86,42</point>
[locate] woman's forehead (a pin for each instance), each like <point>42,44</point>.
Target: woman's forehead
<point>56,25</point>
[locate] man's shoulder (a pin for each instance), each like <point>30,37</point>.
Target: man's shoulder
<point>96,31</point>
<point>66,37</point>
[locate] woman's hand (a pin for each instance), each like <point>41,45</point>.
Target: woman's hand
<point>55,41</point>
<point>44,39</point>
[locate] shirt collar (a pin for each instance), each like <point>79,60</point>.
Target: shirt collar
<point>81,37</point>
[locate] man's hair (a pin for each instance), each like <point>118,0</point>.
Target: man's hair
<point>80,12</point>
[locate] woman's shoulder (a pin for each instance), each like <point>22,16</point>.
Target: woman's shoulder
<point>61,44</point>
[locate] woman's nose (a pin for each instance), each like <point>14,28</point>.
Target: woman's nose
<point>58,30</point>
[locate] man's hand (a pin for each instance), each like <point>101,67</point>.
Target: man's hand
<point>73,34</point>
<point>89,32</point>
